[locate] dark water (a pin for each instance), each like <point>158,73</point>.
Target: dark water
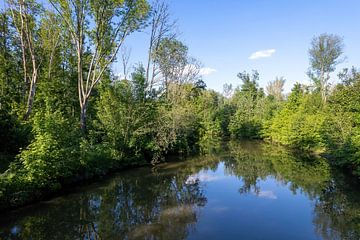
<point>248,190</point>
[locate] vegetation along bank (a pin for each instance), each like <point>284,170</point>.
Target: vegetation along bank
<point>66,116</point>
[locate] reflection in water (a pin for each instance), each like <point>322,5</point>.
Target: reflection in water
<point>267,194</point>
<point>157,205</point>
<point>169,225</point>
<point>253,162</point>
<point>337,212</point>
<point>188,200</point>
<point>202,177</point>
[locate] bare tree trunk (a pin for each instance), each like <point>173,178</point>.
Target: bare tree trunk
<point>82,98</point>
<point>34,77</point>
<point>161,27</point>
<point>153,30</point>
<point>322,85</point>
<point>125,57</point>
<point>21,31</point>
<point>31,96</point>
<point>101,57</point>
<point>52,54</point>
<point>26,41</point>
<point>83,109</point>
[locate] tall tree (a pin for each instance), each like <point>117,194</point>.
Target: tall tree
<point>51,35</point>
<point>161,27</point>
<point>325,52</point>
<point>175,65</point>
<point>275,88</point>
<point>25,19</point>
<point>98,30</point>
<point>11,84</point>
<point>125,53</point>
<point>250,83</point>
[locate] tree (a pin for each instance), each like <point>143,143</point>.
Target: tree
<point>275,88</point>
<point>324,53</point>
<point>349,77</point>
<point>51,34</point>
<point>125,57</point>
<point>250,83</point>
<point>161,27</point>
<point>227,90</point>
<point>12,86</point>
<point>98,30</point>
<point>176,66</point>
<point>24,17</point>
<point>246,123</point>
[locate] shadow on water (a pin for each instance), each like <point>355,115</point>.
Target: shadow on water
<point>172,200</point>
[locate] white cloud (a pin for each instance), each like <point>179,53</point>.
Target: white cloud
<point>207,71</point>
<point>202,177</point>
<point>262,54</point>
<point>267,194</point>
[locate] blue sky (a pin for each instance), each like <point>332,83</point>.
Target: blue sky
<point>223,34</point>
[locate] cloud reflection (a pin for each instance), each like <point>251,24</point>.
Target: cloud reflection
<point>266,194</point>
<point>202,177</point>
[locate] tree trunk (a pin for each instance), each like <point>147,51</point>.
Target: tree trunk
<point>83,109</point>
<point>31,96</point>
<point>323,86</point>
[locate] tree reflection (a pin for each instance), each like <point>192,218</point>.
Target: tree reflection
<point>337,208</point>
<point>254,161</point>
<point>164,202</point>
<point>337,211</point>
<point>152,205</point>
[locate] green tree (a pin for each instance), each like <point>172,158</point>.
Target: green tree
<point>325,52</point>
<point>25,18</point>
<point>343,116</point>
<point>98,30</point>
<point>246,123</point>
<point>250,83</point>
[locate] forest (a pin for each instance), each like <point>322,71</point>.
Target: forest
<point>66,116</point>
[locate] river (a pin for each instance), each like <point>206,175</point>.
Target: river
<point>237,190</point>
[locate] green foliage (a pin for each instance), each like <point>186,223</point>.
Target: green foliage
<point>170,55</point>
<point>252,108</point>
<point>325,52</point>
<point>300,123</point>
<point>12,86</point>
<point>141,120</point>
<point>208,105</point>
<point>13,134</point>
<point>244,123</point>
<point>126,118</point>
<point>344,116</point>
<point>53,153</point>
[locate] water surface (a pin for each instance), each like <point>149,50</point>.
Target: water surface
<point>247,190</point>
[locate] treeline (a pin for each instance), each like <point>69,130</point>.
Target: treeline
<point>320,117</point>
<point>65,116</point>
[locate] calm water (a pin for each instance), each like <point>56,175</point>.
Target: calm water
<point>248,190</point>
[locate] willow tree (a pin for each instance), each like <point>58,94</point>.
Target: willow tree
<point>325,52</point>
<point>98,29</point>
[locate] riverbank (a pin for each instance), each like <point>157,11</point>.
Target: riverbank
<point>330,155</point>
<point>17,193</point>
